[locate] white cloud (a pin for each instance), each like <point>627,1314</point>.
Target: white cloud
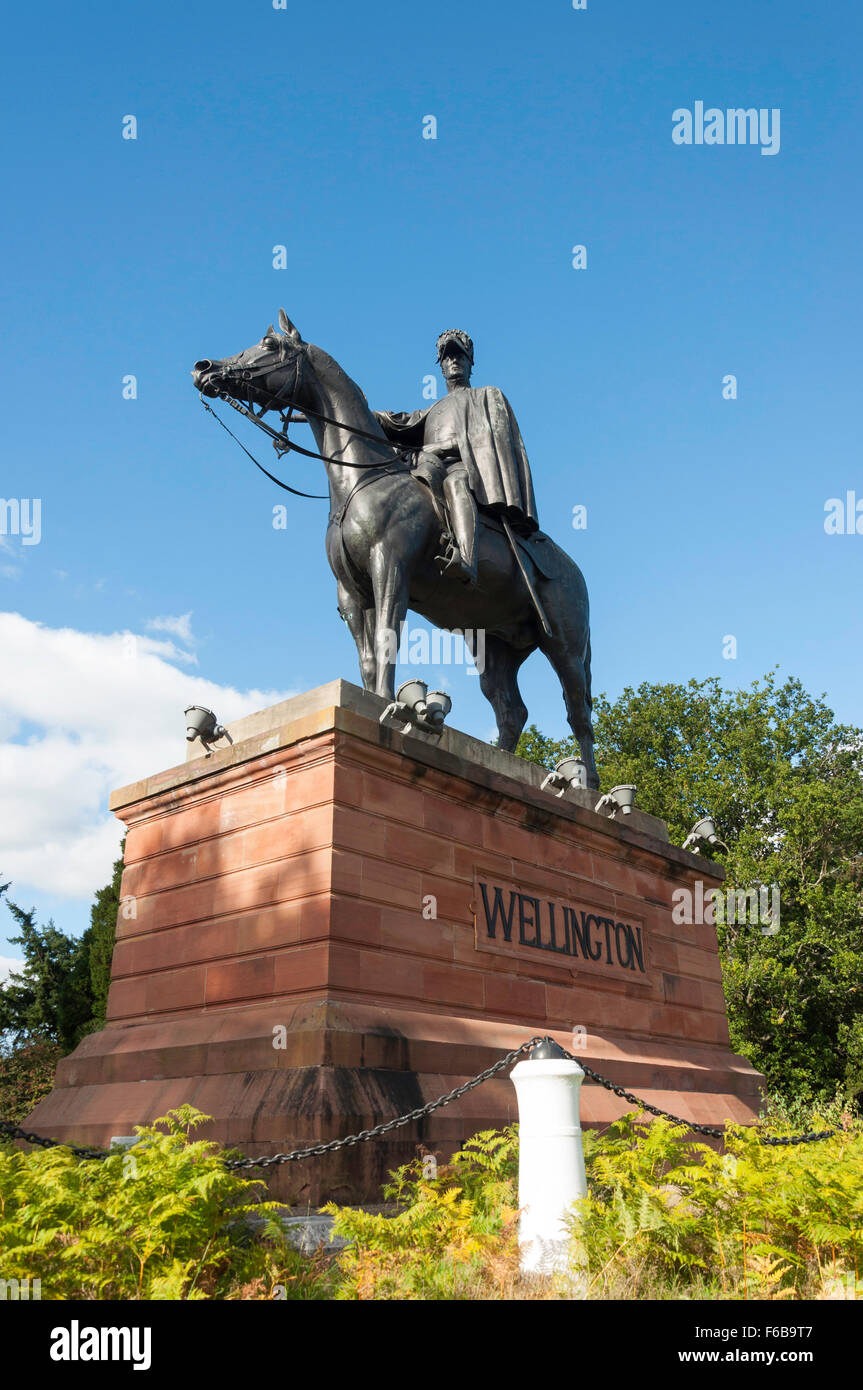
<point>169,650</point>
<point>178,627</point>
<point>8,569</point>
<point>90,713</point>
<point>8,964</point>
<point>12,550</point>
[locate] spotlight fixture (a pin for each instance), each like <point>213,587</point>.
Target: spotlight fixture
<point>416,704</point>
<point>703,831</point>
<point>619,799</point>
<point>202,723</point>
<point>571,772</point>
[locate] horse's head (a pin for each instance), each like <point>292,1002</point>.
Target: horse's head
<point>267,374</point>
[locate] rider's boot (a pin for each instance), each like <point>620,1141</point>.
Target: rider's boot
<point>461,560</point>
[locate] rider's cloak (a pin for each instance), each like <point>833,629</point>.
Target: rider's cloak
<point>479,422</point>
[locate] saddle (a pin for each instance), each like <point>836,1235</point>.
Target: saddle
<point>534,546</point>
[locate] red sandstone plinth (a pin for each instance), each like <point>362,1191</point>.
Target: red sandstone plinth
<point>329,924</point>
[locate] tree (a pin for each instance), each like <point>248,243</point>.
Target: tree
<point>61,993</point>
<point>26,1076</point>
<point>784,784</point>
<point>100,939</point>
<point>52,996</point>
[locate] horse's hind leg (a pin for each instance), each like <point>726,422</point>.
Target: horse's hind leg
<point>498,681</point>
<point>574,675</point>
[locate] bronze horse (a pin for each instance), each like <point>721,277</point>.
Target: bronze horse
<point>385,531</point>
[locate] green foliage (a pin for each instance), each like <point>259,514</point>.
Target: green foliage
<point>51,997</point>
<point>99,941</point>
<point>784,784</point>
<point>536,747</point>
<point>26,1076</point>
<point>455,1237</point>
<point>62,990</point>
<point>664,1219</point>
<point>750,1222</point>
<point>163,1220</point>
<point>793,1115</point>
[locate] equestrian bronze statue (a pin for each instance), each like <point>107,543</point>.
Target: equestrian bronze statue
<point>478,458</point>
<point>432,510</point>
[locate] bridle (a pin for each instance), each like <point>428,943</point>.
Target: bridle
<point>289,410</point>
<point>249,375</point>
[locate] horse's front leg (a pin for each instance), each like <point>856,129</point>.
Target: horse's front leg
<point>360,621</point>
<point>391,592</point>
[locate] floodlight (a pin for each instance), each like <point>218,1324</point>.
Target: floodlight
<point>703,831</point>
<point>619,799</point>
<point>571,772</point>
<point>416,704</point>
<point>202,723</point>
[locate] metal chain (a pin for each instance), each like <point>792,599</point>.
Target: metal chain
<point>417,1114</point>
<point>13,1131</point>
<point>709,1130</point>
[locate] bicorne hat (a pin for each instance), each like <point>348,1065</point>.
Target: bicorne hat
<point>455,335</point>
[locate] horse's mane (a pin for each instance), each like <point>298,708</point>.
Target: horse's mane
<point>339,384</point>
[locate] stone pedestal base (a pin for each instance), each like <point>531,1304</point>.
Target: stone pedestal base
<point>329,924</point>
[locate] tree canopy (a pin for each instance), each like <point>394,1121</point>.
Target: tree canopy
<point>62,990</point>
<point>784,784</point>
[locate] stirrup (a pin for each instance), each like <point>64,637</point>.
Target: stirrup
<point>454,564</point>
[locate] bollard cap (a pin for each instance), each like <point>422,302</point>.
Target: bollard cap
<point>546,1051</point>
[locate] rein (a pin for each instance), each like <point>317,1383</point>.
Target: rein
<point>314,496</point>
<point>280,439</point>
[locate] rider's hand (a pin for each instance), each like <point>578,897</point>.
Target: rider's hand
<point>445,452</point>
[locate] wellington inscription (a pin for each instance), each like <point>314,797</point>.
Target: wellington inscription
<point>514,921</point>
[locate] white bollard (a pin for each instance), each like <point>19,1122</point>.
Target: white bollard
<point>551,1158</point>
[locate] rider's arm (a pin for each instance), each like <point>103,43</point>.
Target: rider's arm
<point>402,427</point>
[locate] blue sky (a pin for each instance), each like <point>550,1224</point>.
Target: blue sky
<point>303,127</point>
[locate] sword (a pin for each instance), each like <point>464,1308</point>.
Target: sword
<point>526,577</point>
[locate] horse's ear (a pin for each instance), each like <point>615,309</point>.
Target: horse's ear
<point>271,332</point>
<point>288,328</point>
